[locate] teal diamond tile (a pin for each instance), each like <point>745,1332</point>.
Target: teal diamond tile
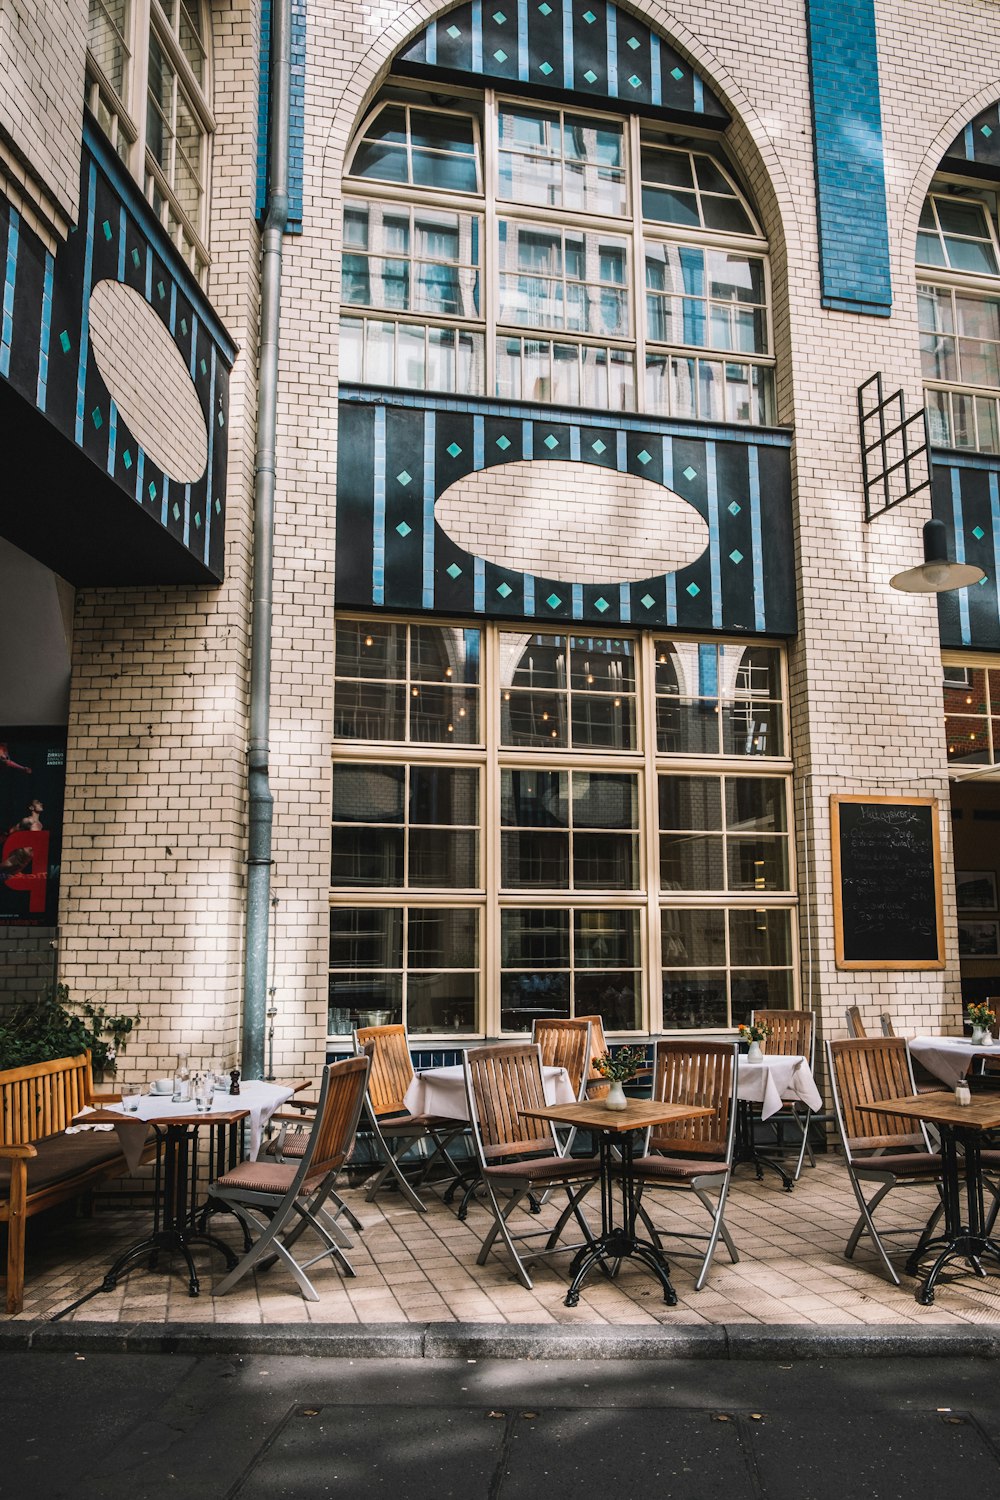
<point>647,601</point>
<point>404,478</point>
<point>403,529</point>
<point>599,447</point>
<point>197,520</point>
<point>986,131</point>
<point>736,556</point>
<point>499,17</point>
<point>553,601</point>
<point>500,55</point>
<point>635,81</point>
<point>127,458</point>
<point>453,32</point>
<point>222,419</point>
<point>161,290</point>
<point>184,326</point>
<point>203,367</point>
<point>545,67</point>
<point>734,507</point>
<point>693,590</point>
<point>601,604</point>
<point>64,340</point>
<point>545,10</point>
<point>690,473</point>
<point>978,533</point>
<point>218,506</point>
<point>590,76</point>
<point>504,590</point>
<point>589,17</point>
<point>176,511</point>
<point>677,73</point>
<point>106,226</point>
<point>151,490</point>
<point>983,581</point>
<point>644,457</point>
<point>453,449</point>
<point>136,259</point>
<point>453,570</point>
<point>551,442</point>
<point>634,43</point>
<point>95,417</point>
<point>503,442</point>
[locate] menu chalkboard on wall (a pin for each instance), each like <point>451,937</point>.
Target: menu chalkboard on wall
<point>887,883</point>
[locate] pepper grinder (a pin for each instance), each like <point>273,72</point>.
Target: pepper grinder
<point>234,1081</point>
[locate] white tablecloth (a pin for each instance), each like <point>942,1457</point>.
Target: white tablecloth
<point>261,1099</point>
<point>441,1091</point>
<point>948,1057</point>
<point>777,1080</point>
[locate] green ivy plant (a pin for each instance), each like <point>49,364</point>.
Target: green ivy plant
<point>51,1024</point>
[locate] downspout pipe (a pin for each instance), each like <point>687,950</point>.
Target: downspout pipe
<point>261,802</point>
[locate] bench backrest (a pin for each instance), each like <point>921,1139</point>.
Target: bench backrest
<point>42,1098</point>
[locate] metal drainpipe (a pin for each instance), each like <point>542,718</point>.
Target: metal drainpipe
<point>261,803</point>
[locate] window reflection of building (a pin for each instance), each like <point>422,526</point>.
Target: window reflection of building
<point>521,861</point>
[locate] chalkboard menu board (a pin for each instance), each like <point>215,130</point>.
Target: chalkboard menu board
<point>887,883</point>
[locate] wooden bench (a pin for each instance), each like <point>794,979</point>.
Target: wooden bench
<point>41,1166</point>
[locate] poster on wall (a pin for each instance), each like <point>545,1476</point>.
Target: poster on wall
<point>32,784</point>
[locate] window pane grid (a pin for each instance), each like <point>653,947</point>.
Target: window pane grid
<point>561,159</point>
<point>416,683</point>
<point>560,962</point>
<point>569,830</point>
<point>972,732</point>
<point>568,692</point>
<point>720,963</point>
<point>725,833</point>
<point>407,964</point>
<point>405,826</point>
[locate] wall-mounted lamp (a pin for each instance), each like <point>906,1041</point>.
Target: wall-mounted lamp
<point>937,573</point>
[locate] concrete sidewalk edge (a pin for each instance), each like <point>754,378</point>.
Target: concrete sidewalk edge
<point>738,1341</point>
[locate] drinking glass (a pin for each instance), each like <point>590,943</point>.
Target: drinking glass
<point>131,1094</point>
<point>205,1091</point>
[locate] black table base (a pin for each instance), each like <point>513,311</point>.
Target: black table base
<point>176,1226</point>
<point>746,1152</point>
<point>967,1241</point>
<point>618,1242</point>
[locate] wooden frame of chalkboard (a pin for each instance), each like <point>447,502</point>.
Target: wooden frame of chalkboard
<point>887,906</point>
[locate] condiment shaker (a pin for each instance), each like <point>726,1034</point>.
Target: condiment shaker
<point>963,1094</point>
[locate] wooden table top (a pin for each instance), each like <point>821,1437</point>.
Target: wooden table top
<point>195,1117</point>
<point>637,1115</point>
<point>940,1108</point>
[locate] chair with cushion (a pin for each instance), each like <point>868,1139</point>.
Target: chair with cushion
<point>396,1131</point>
<point>889,1151</point>
<point>693,1155</point>
<point>280,1200</point>
<point>793,1034</point>
<point>289,1144</point>
<point>855,1025</point>
<point>518,1156</point>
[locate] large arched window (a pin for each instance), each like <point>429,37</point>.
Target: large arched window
<point>958,294</point>
<point>148,85</point>
<point>542,253</point>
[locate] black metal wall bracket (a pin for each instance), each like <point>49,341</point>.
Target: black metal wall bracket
<point>895,448</point>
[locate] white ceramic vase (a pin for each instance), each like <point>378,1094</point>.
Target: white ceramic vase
<point>979,1035</point>
<point>616,1096</point>
<point>754,1052</point>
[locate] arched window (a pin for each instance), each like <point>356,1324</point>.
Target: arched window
<point>148,85</point>
<point>958,296</point>
<point>497,247</point>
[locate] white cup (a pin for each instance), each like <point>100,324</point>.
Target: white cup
<point>162,1086</point>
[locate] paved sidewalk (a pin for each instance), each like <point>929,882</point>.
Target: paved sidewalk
<point>420,1269</point>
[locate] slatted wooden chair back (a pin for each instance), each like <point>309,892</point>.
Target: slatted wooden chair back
<point>792,1032</point>
<point>392,1067</point>
<point>694,1073</point>
<point>336,1122</point>
<point>597,1084</point>
<point>42,1099</point>
<point>565,1044</point>
<point>502,1080</point>
<point>888,1029</point>
<point>855,1025</point>
<point>866,1071</point>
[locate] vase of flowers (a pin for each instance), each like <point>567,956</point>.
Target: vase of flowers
<point>983,1020</point>
<point>620,1068</point>
<point>755,1033</point>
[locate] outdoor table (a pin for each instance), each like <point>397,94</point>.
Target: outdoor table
<point>613,1129</point>
<point>949,1057</point>
<point>441,1091</point>
<point>959,1125</point>
<point>771,1082</point>
<point>178,1220</point>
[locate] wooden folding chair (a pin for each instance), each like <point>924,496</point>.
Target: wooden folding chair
<point>518,1156</point>
<point>887,1150</point>
<point>566,1044</point>
<point>855,1025</point>
<point>694,1155</point>
<point>396,1131</point>
<point>280,1200</point>
<point>793,1034</point>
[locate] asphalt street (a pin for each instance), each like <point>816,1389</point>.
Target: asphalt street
<point>126,1426</point>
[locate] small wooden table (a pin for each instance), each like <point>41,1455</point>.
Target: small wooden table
<point>960,1125</point>
<point>614,1128</point>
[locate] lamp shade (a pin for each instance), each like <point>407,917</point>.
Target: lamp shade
<point>937,573</point>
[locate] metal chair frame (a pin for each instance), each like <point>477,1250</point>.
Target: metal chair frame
<point>786,1040</point>
<point>270,1211</point>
